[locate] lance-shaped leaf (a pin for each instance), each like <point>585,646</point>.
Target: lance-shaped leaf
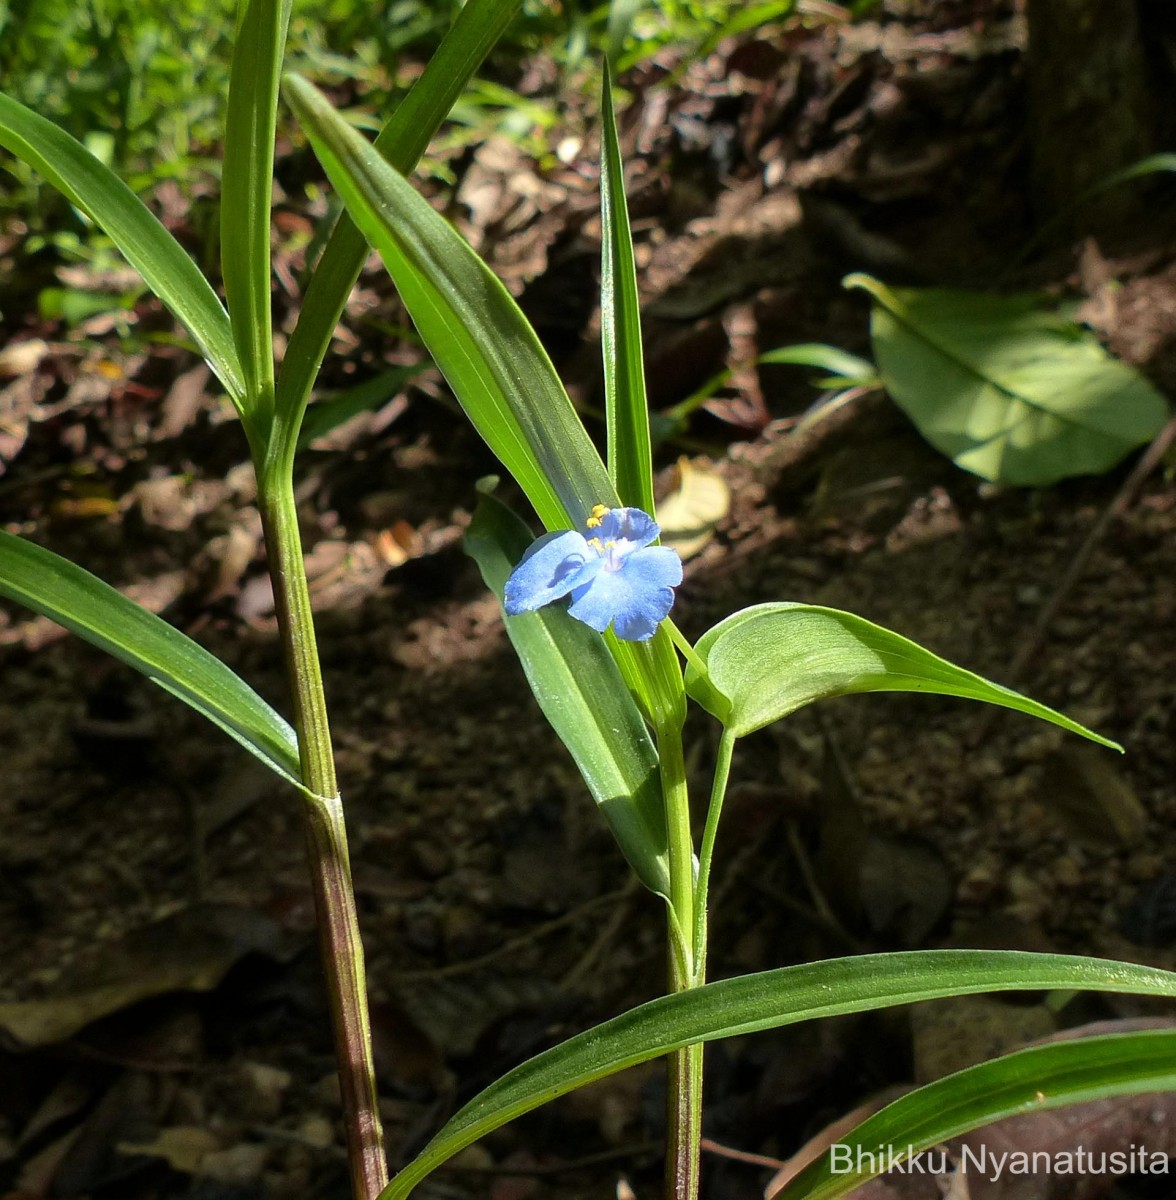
<point>167,270</point>
<point>470,323</point>
<point>767,1000</point>
<point>71,596</point>
<point>402,141</point>
<point>1010,391</point>
<point>771,659</point>
<point>630,457</point>
<point>246,194</point>
<point>582,694</point>
<point>492,358</point>
<point>1032,1080</point>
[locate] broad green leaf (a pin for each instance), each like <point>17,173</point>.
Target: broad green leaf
<point>1031,1080</point>
<point>247,194</point>
<point>1010,392</point>
<point>767,1000</point>
<point>630,457</point>
<point>64,592</point>
<point>771,659</point>
<point>582,694</point>
<point>147,246</point>
<point>402,141</point>
<point>490,355</point>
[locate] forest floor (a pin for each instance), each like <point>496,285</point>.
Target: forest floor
<point>164,1027</point>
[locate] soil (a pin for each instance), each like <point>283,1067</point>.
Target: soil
<point>151,864</point>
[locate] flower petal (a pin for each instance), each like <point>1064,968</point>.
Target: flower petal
<point>551,568</point>
<point>630,528</point>
<point>635,599</point>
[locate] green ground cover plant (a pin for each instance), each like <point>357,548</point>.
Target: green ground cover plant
<point>610,669</point>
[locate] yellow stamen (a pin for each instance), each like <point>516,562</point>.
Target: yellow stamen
<point>595,544</point>
<point>596,517</point>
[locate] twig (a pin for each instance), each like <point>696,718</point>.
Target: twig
<point>823,909</point>
<point>604,938</point>
<point>518,943</point>
<point>743,1156</point>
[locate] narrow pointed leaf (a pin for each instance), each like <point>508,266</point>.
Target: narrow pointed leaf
<point>167,270</point>
<point>1031,1080</point>
<point>64,592</point>
<point>848,368</point>
<point>402,141</point>
<point>630,457</point>
<point>1010,391</point>
<point>768,1000</point>
<point>469,322</point>
<point>247,194</point>
<point>582,694</point>
<point>771,659</point>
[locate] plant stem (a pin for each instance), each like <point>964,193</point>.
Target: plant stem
<point>706,853</point>
<point>330,866</point>
<point>684,1095</point>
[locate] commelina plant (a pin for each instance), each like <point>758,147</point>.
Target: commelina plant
<point>609,669</point>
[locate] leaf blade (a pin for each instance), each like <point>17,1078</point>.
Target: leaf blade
<point>1036,1079</point>
<point>247,194</point>
<point>402,141</point>
<point>771,659</point>
<point>1010,392</point>
<point>82,603</point>
<point>768,1000</point>
<point>167,270</point>
<point>580,690</point>
<point>630,455</point>
<point>499,372</point>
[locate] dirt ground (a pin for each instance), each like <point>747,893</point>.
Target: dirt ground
<point>164,1028</point>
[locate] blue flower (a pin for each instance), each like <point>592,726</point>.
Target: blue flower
<point>613,576</point>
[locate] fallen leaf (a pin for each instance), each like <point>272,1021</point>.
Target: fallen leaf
<point>189,951</point>
<point>689,515</point>
<point>183,1147</point>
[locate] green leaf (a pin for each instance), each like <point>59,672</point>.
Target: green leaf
<point>1031,1080</point>
<point>147,246</point>
<point>402,141</point>
<point>247,194</point>
<point>581,692</point>
<point>328,414</point>
<point>630,457</point>
<point>492,358</point>
<point>850,371</point>
<point>1010,392</point>
<point>768,1000</point>
<point>771,659</point>
<point>469,322</point>
<point>71,596</point>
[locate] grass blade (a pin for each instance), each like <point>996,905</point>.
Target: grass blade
<point>402,141</point>
<point>247,195</point>
<point>71,596</point>
<point>1032,1080</point>
<point>768,1000</point>
<point>630,458</point>
<point>167,270</point>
